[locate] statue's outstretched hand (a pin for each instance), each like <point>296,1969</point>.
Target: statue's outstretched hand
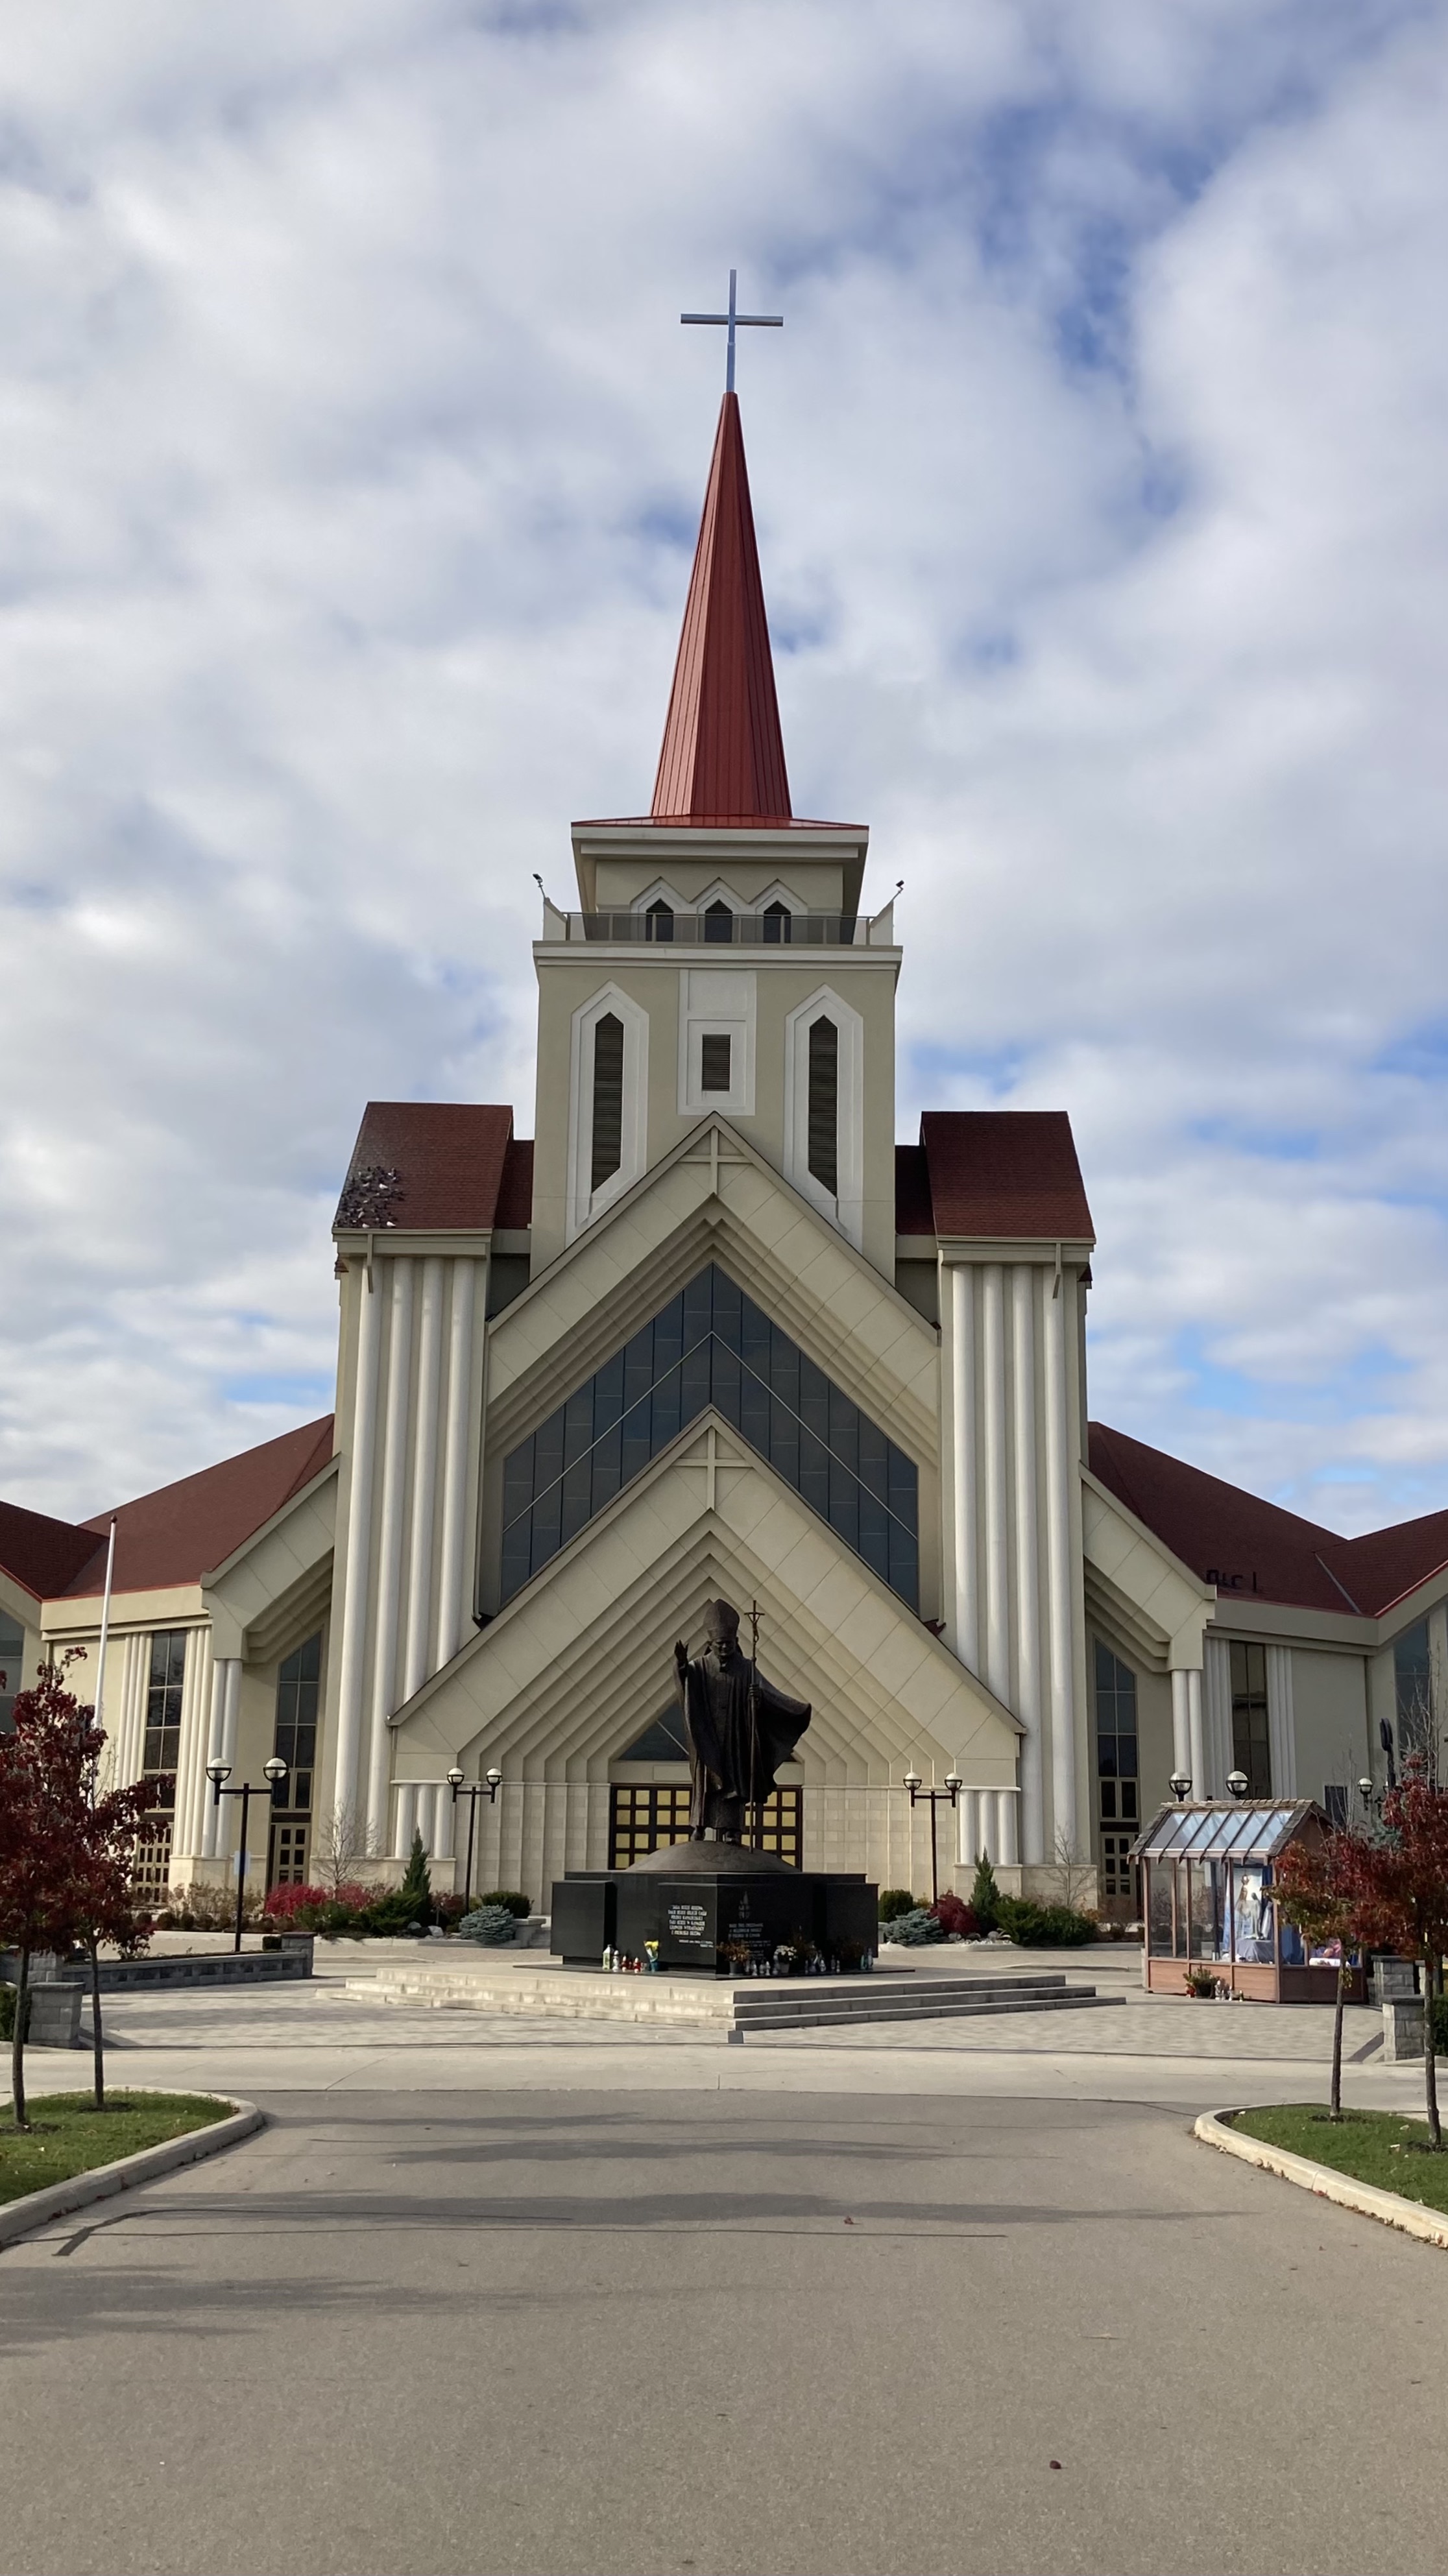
<point>681,1654</point>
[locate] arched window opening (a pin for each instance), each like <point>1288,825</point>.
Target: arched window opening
<point>660,919</point>
<point>719,923</point>
<point>824,1104</point>
<point>607,1099</point>
<point>778,924</point>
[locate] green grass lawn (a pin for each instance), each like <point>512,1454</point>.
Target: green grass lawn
<point>68,2135</point>
<point>1379,2147</point>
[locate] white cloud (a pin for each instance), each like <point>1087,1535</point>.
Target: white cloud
<point>352,454</point>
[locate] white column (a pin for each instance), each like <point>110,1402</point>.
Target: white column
<point>967,1837</point>
<point>404,1817</point>
<point>443,1819</point>
<point>1217,1712</point>
<point>1181,1738</point>
<point>1281,1731</point>
<point>1007,1847</point>
<point>965,1606</point>
<point>1028,1579</point>
<point>1059,1586</point>
<point>221,1746</point>
<point>389,1549</point>
<point>1195,1741</point>
<point>997,1564</point>
<point>452,1579</point>
<point>131,1730</point>
<point>353,1643</point>
<point>424,1483</point>
<point>195,1729</point>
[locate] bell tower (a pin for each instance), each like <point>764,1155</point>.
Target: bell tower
<point>719,962</point>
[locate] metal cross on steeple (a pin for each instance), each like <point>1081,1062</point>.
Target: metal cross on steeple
<point>736,321</point>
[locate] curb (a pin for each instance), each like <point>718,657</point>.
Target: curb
<point>18,2217</point>
<point>1428,2225</point>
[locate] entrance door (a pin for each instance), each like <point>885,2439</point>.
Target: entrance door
<point>646,1819</point>
<point>287,1857</point>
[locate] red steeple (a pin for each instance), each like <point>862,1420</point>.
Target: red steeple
<point>723,754</point>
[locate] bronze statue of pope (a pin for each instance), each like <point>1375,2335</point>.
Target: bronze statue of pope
<point>740,1728</point>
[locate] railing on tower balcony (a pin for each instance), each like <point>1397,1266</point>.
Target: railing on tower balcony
<point>716,928</point>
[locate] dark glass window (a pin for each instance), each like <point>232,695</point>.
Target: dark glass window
<point>607,1098</point>
<point>714,1063</point>
<point>778,923</point>
<point>660,919</point>
<point>1251,1745</point>
<point>163,1700</point>
<point>719,923</point>
<point>712,1345</point>
<point>1413,1689</point>
<point>298,1683</point>
<point>1116,1757</point>
<point>824,1103</point>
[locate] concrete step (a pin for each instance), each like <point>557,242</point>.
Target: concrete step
<point>730,2009</point>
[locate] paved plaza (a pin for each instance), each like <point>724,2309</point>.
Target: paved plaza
<point>767,2330</point>
<point>498,2294</point>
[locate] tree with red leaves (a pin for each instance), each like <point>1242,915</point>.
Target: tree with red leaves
<point>1322,1888</point>
<point>65,1849</point>
<point>102,1905</point>
<point>1404,1902</point>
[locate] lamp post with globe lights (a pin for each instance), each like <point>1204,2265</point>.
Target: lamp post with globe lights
<point>933,1798</point>
<point>472,1790</point>
<point>218,1773</point>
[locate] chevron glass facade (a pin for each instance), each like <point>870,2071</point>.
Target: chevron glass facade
<point>712,1345</point>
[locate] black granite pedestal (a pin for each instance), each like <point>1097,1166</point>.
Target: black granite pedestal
<point>713,1908</point>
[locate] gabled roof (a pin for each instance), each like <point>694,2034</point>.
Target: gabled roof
<point>180,1532</point>
<point>43,1554</point>
<point>722,760</point>
<point>1250,1547</point>
<point>425,1166</point>
<point>1001,1173</point>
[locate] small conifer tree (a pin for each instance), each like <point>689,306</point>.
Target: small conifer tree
<point>418,1881</point>
<point>985,1896</point>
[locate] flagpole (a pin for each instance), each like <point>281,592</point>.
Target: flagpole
<point>105,1623</point>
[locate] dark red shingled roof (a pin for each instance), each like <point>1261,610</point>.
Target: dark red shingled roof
<point>1246,1546</point>
<point>1004,1172</point>
<point>43,1554</point>
<point>441,1165</point>
<point>515,1196</point>
<point>186,1530</point>
<point>722,760</point>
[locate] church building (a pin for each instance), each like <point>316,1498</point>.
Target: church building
<point>714,1332</point>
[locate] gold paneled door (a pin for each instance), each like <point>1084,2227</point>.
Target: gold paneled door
<point>645,1819</point>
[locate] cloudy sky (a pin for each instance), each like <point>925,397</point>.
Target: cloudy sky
<point>352,457</point>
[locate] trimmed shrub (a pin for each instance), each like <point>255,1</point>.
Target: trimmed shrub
<point>1043,1927</point>
<point>895,1901</point>
<point>404,1909</point>
<point>915,1929</point>
<point>1438,2007</point>
<point>957,1920</point>
<point>517,1904</point>
<point>490,1924</point>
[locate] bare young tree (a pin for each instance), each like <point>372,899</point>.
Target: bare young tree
<point>1071,1872</point>
<point>343,1840</point>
